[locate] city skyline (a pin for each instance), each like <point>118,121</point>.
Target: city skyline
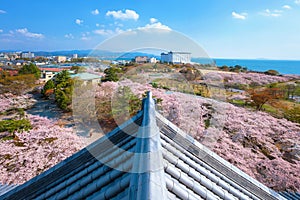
<point>235,29</point>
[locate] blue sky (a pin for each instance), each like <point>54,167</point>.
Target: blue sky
<point>225,29</point>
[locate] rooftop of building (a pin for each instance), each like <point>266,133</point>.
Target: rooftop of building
<point>50,69</point>
<point>176,52</point>
<point>146,157</point>
<point>86,76</point>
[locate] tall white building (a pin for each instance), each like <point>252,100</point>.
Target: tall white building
<point>176,57</point>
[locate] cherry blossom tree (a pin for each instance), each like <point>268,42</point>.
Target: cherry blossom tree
<point>10,101</point>
<point>265,147</point>
<point>32,152</point>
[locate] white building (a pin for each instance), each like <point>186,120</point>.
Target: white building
<point>48,73</point>
<point>176,57</point>
<point>152,60</point>
<point>27,55</point>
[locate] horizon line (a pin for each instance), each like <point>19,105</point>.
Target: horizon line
<point>217,57</point>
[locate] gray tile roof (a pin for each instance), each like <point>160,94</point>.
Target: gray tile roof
<point>5,188</point>
<point>291,195</point>
<point>147,157</point>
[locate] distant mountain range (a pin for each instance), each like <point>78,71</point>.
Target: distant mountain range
<point>89,52</point>
<point>81,53</point>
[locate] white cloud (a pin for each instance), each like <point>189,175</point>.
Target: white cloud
<point>95,12</point>
<point>1,31</point>
<point>85,36</point>
<point>69,36</point>
<point>107,32</point>
<point>102,32</point>
<point>118,31</point>
<point>118,24</point>
<point>274,13</point>
<point>79,21</point>
<point>26,33</point>
<point>297,2</point>
<point>2,11</point>
<point>128,14</point>
<point>156,25</point>
<point>287,7</point>
<point>153,20</point>
<point>241,16</point>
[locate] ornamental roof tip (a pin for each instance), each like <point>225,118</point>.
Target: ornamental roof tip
<point>146,157</point>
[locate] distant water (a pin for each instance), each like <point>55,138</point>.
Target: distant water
<point>282,66</point>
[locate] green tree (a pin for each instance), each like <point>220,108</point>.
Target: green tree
<point>272,72</point>
<point>78,69</point>
<point>62,77</point>
<point>290,90</point>
<point>15,125</point>
<point>237,68</point>
<point>112,74</point>
<point>31,69</point>
<point>62,99</point>
<point>224,68</point>
<point>125,104</point>
<point>17,84</point>
<point>262,96</point>
<point>293,114</point>
<point>48,86</point>
<point>63,89</point>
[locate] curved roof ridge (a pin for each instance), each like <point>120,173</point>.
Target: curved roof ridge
<point>148,181</point>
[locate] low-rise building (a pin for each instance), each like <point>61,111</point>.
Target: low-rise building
<point>4,57</point>
<point>27,55</point>
<point>87,77</point>
<point>176,57</point>
<point>141,59</point>
<point>48,73</point>
<point>60,59</point>
<point>19,62</point>
<point>152,60</point>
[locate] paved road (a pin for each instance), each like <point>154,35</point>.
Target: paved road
<point>45,108</point>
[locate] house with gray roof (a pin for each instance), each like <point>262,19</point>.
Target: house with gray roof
<point>146,157</point>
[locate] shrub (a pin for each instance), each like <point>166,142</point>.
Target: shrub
<point>15,125</point>
<point>293,114</point>
<point>272,72</point>
<point>48,86</point>
<point>31,69</point>
<point>111,74</point>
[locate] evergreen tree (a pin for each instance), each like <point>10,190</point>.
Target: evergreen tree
<point>31,69</point>
<point>48,86</point>
<point>111,74</point>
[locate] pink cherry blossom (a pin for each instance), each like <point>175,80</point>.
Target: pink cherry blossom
<point>32,152</point>
<point>263,146</point>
